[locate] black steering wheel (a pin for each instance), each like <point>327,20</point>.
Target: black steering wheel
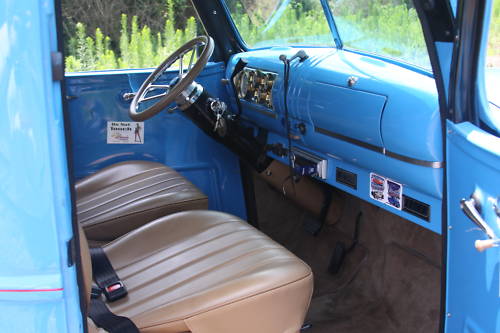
<point>184,79</point>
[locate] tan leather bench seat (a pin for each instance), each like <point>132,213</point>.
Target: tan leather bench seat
<point>126,195</point>
<point>210,272</point>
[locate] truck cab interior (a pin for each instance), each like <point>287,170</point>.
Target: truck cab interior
<point>257,184</point>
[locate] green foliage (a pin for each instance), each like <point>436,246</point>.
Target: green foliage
<point>139,47</point>
<point>391,29</point>
<point>387,27</point>
<point>493,55</point>
<point>294,26</point>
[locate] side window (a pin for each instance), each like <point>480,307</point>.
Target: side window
<point>492,73</point>
<point>122,34</point>
<point>388,28</point>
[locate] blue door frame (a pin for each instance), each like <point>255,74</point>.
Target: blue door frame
<point>472,301</point>
<point>38,289</point>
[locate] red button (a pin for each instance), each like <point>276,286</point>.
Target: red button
<point>114,287</point>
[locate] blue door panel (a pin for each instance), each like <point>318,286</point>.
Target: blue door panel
<point>34,313</point>
<point>473,294</point>
<point>94,98</point>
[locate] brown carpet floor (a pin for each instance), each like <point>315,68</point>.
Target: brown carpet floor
<point>390,282</point>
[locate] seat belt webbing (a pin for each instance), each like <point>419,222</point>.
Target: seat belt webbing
<point>105,276</point>
<point>107,320</point>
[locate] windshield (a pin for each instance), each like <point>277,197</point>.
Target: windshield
<point>387,28</point>
<point>380,27</point>
<point>281,23</point>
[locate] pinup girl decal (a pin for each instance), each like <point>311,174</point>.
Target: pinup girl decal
<point>137,133</point>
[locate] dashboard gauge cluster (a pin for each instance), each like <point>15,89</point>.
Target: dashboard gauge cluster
<point>256,86</point>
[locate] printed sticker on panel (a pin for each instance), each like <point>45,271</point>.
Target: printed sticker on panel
<point>386,190</point>
<point>125,132</point>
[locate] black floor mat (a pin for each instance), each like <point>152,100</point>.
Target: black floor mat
<point>390,282</point>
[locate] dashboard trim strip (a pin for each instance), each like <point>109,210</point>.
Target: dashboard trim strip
<point>381,150</point>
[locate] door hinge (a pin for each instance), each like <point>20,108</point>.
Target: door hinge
<point>57,66</point>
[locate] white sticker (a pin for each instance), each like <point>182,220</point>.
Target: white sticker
<point>125,132</point>
<point>386,191</point>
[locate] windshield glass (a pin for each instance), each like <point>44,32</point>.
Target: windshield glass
<point>387,28</point>
<point>384,28</point>
<point>281,23</point>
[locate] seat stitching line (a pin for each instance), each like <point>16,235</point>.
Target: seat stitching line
<point>188,248</point>
<point>199,274</point>
<point>83,201</point>
<point>127,202</point>
<point>230,302</point>
<point>120,180</point>
<point>199,259</point>
<point>138,212</point>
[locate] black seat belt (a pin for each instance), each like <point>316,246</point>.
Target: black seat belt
<point>105,276</point>
<point>113,288</point>
<point>104,318</point>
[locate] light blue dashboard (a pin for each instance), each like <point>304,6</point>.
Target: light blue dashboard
<point>360,114</point>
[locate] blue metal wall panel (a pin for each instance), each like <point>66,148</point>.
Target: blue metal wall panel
<point>96,98</point>
<point>408,125</point>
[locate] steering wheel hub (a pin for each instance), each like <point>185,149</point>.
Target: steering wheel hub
<point>189,95</point>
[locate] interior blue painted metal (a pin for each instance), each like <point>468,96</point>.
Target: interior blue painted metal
<point>383,124</point>
<point>473,285</point>
<point>38,291</point>
<point>387,122</point>
<point>170,138</point>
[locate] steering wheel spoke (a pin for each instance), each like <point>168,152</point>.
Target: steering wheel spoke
<point>150,98</point>
<point>181,69</point>
<point>158,86</point>
<point>193,51</point>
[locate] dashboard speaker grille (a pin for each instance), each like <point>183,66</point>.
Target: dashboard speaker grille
<point>417,208</point>
<point>346,177</point>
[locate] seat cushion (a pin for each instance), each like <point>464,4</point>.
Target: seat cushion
<point>126,195</point>
<point>205,271</point>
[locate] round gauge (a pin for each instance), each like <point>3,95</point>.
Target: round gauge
<point>263,80</point>
<point>263,97</point>
<point>255,96</point>
<point>270,101</point>
<point>243,89</point>
<point>270,81</point>
<point>251,81</point>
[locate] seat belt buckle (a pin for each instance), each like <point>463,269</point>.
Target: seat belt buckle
<point>96,292</point>
<point>115,291</point>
